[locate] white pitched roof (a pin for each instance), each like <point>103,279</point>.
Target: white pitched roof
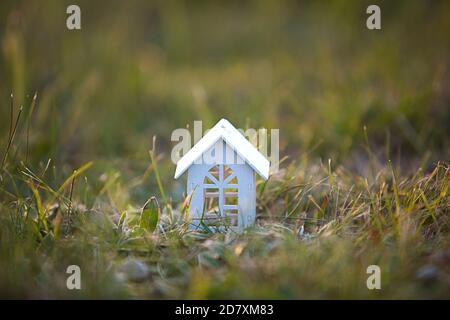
<point>234,139</point>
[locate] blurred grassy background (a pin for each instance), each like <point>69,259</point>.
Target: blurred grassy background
<point>143,68</point>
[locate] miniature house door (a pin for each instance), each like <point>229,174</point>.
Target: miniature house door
<point>221,195</point>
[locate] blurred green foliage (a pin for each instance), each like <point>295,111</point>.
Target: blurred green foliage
<point>312,69</point>
<point>139,69</point>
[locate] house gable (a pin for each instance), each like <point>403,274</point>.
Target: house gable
<point>235,140</point>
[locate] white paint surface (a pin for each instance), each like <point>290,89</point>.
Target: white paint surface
<point>235,140</point>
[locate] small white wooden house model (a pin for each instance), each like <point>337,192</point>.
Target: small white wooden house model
<point>221,179</point>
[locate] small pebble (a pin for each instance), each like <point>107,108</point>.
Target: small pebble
<point>135,270</point>
<point>427,273</point>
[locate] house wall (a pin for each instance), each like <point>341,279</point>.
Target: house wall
<point>246,185</point>
<point>196,175</point>
<point>246,194</point>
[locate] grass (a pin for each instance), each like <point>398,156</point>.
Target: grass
<point>82,182</point>
<point>399,223</point>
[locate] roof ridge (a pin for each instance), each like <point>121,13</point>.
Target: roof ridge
<point>234,139</point>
